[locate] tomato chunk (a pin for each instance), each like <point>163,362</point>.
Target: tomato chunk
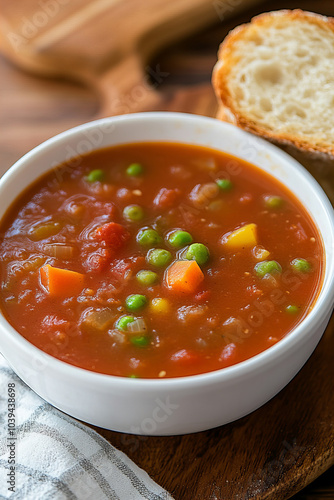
<point>123,268</point>
<point>99,260</point>
<point>114,235</point>
<point>167,198</point>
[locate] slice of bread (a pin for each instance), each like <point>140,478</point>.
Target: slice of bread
<point>275,77</point>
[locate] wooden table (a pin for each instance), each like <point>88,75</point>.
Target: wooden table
<point>277,450</point>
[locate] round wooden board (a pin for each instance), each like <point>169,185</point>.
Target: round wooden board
<point>282,447</point>
<point>270,454</point>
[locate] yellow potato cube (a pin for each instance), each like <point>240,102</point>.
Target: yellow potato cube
<point>159,305</point>
<point>244,237</point>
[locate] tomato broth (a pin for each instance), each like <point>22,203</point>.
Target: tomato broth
<point>157,260</point>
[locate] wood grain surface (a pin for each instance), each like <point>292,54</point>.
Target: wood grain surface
<point>284,446</point>
<point>104,43</point>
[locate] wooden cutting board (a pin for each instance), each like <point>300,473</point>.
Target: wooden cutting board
<point>105,43</point>
<point>283,446</point>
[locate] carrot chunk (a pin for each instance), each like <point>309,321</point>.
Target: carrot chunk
<point>184,276</point>
<point>61,282</point>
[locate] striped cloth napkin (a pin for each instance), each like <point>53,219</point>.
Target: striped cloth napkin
<point>46,455</point>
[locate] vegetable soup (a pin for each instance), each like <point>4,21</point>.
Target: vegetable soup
<point>157,259</point>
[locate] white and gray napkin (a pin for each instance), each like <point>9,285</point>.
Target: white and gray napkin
<point>46,455</point>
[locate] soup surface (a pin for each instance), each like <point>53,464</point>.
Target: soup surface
<point>157,260</point>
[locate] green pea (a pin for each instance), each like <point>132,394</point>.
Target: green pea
<point>273,202</point>
<point>158,257</point>
<point>301,265</point>
<point>133,213</point>
<point>133,376</point>
<point>291,309</point>
<point>267,267</point>
<point>224,184</point>
<point>198,252</point>
<point>140,340</point>
<point>123,321</point>
<point>179,239</point>
<point>147,278</point>
<point>95,175</point>
<point>134,170</point>
<point>135,301</point>
<point>148,238</point>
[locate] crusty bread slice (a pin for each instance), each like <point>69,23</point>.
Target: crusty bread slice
<point>275,77</point>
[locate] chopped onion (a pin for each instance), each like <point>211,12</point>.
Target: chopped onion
<point>260,253</point>
<point>234,329</point>
<point>201,343</point>
<point>208,164</point>
<point>88,232</point>
<point>191,313</point>
<point>59,251</point>
<point>202,194</point>
<point>270,280</point>
<point>228,352</point>
<point>97,320</point>
<point>180,172</point>
<point>17,268</point>
<point>117,336</point>
<point>137,326</point>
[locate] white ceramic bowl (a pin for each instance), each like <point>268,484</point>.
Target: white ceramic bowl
<point>187,404</point>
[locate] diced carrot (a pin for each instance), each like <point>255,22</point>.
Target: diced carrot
<point>61,282</point>
<point>184,276</point>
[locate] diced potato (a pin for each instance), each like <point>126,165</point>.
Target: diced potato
<point>244,237</point>
<point>159,305</point>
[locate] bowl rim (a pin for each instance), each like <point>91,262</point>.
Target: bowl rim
<point>323,302</point>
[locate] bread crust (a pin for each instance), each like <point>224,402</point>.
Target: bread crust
<point>228,107</point>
